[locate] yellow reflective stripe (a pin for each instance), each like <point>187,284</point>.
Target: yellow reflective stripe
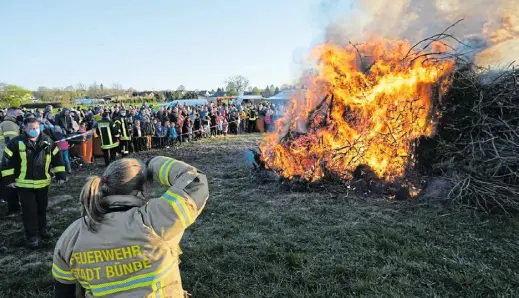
<point>109,146</point>
<point>23,157</point>
<point>10,133</point>
<point>142,280</point>
<point>55,151</point>
<point>59,169</point>
<point>166,174</point>
<point>161,175</point>
<point>8,151</point>
<point>161,289</point>
<point>7,172</point>
<point>47,165</point>
<point>62,274</point>
<point>32,183</point>
<point>29,181</point>
<point>184,206</point>
<point>32,186</point>
<point>124,129</point>
<point>178,204</point>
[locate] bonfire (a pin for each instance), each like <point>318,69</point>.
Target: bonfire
<point>385,105</point>
<point>366,107</point>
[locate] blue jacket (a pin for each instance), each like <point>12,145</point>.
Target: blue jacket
<point>172,133</point>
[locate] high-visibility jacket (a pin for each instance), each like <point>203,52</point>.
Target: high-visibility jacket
<point>134,252</point>
<point>9,129</point>
<point>108,133</point>
<point>252,115</point>
<point>28,163</point>
<point>124,126</point>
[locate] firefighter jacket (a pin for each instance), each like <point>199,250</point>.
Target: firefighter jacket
<point>28,163</point>
<point>9,129</point>
<point>109,133</point>
<point>253,115</point>
<point>124,125</point>
<point>134,252</point>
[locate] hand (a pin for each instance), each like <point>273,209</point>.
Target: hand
<point>12,185</point>
<point>60,182</point>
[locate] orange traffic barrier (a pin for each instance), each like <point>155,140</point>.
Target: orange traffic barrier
<point>86,151</point>
<point>260,125</point>
<point>96,147</point>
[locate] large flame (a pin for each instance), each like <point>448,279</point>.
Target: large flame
<point>374,109</point>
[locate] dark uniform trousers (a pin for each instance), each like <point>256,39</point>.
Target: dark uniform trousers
<point>34,207</point>
<point>13,202</point>
<point>109,155</point>
<point>124,147</point>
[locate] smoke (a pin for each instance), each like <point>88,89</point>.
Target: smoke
<point>489,31</point>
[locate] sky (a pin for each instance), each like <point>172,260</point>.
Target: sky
<point>157,45</point>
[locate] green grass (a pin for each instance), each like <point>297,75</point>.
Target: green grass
<point>257,239</point>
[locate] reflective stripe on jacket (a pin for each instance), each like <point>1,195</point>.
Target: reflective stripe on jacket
<point>9,129</point>
<point>108,134</point>
<point>29,163</point>
<point>134,252</point>
<point>125,128</point>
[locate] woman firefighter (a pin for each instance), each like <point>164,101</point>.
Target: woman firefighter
<point>126,245</point>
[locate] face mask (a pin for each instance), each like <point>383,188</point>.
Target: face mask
<point>123,114</point>
<point>34,133</point>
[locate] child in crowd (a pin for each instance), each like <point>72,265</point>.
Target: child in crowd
<point>82,127</point>
<point>189,127</point>
<point>225,126</point>
<point>62,146</point>
<point>172,133</point>
<point>219,124</point>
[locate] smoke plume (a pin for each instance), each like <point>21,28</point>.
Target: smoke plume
<point>489,31</point>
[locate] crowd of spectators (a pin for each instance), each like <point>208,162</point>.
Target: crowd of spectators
<point>163,126</point>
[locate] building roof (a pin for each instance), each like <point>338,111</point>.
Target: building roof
<point>218,94</point>
<point>287,94</point>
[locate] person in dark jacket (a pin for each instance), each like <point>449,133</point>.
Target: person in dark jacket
<point>26,166</point>
<point>64,120</point>
<point>125,126</point>
<point>109,134</point>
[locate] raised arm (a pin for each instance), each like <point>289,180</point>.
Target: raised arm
<point>181,204</point>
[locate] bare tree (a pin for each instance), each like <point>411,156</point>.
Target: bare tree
<point>117,86</point>
<point>81,86</point>
<point>237,83</point>
<point>181,88</point>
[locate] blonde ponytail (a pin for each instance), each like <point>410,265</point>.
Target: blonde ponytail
<point>92,210</point>
<point>122,177</point>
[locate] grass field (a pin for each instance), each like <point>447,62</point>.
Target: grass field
<point>257,239</point>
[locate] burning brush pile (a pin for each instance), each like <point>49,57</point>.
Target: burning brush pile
<point>378,111</point>
<point>362,114</point>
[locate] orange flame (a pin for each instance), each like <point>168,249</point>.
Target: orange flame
<point>378,105</point>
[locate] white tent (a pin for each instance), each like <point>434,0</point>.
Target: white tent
<point>286,95</point>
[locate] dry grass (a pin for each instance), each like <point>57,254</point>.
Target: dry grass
<point>257,239</point>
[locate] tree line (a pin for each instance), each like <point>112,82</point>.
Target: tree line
<point>11,95</point>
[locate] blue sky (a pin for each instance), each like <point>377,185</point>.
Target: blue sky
<point>156,44</point>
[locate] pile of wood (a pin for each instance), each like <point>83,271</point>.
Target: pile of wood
<point>477,143</point>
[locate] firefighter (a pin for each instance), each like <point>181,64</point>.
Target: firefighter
<point>9,129</point>
<point>124,126</point>
<point>126,245</point>
<point>26,166</point>
<point>253,115</point>
<point>109,134</point>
